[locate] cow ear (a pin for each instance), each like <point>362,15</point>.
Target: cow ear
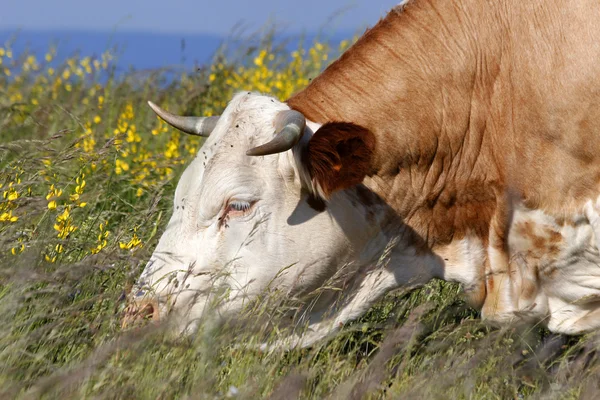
<point>339,155</point>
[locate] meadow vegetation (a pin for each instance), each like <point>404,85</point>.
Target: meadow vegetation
<point>87,175</point>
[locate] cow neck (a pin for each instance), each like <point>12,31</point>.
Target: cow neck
<point>421,96</point>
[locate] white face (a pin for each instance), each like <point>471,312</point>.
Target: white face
<point>244,223</point>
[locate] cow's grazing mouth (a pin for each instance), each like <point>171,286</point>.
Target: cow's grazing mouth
<point>142,311</point>
<point>468,153</point>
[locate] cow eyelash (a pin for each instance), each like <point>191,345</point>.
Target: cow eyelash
<point>239,206</point>
<point>235,208</point>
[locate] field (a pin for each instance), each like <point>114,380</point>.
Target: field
<point>87,175</point>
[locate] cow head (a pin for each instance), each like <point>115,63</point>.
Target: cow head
<point>261,206</point>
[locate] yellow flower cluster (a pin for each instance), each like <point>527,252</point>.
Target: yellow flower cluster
<point>102,238</point>
<point>52,196</point>
<point>58,249</point>
<point>6,56</point>
<point>133,243</point>
<point>64,224</point>
<point>9,196</point>
<point>74,197</point>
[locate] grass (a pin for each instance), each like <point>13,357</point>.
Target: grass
<point>87,174</point>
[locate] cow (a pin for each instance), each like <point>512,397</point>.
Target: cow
<point>457,140</point>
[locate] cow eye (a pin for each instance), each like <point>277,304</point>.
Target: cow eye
<point>237,208</point>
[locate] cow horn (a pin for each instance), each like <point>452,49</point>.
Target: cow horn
<point>199,126</point>
<point>290,127</point>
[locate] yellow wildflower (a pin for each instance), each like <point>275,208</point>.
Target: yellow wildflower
<point>121,166</point>
<point>64,224</point>
<point>133,243</point>
<point>102,238</point>
<point>14,251</point>
<point>11,194</point>
<point>8,217</point>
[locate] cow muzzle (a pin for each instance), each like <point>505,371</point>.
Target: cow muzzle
<point>138,312</point>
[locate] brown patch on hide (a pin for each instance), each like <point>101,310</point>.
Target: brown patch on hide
<point>554,237</point>
<point>529,290</point>
<point>490,283</point>
<point>550,271</point>
<point>553,250</point>
<point>339,155</point>
<point>523,266</point>
<point>545,241</point>
<point>524,229</point>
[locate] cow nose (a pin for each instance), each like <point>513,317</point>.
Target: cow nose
<point>137,312</point>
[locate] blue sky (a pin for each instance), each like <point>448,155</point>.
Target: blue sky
<point>188,16</point>
<point>150,33</point>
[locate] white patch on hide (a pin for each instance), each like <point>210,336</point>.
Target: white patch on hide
<point>555,268</point>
